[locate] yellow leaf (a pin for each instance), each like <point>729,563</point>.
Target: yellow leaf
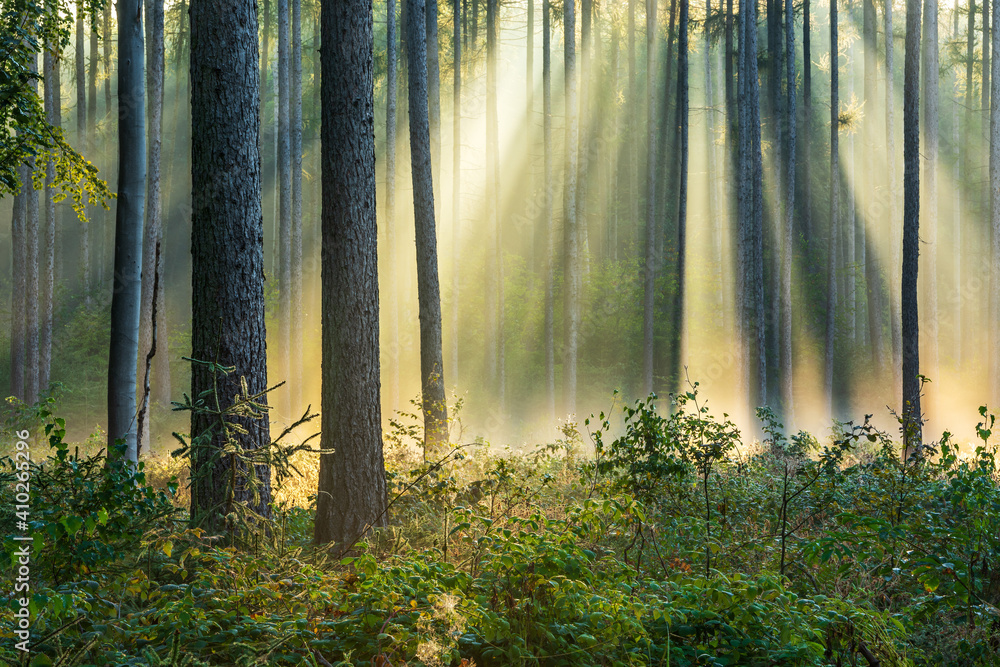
<point>168,548</point>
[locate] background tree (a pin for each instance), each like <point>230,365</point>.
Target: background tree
<point>571,270</point>
<point>352,485</point>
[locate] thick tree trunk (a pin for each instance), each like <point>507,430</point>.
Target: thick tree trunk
<point>428,288</point>
<point>929,70</point>
<point>787,394</point>
<point>352,485</point>
<point>550,231</point>
<point>571,280</point>
<point>152,228</point>
<point>127,296</point>
<point>227,250</point>
<point>911,229</point>
<point>652,256</point>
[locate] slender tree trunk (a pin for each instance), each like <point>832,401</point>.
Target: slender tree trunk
<point>152,228</point>
<point>787,394</point>
<point>265,56</point>
<point>495,282</point>
<point>807,124</point>
<point>392,65</point>
<point>961,169</point>
<point>712,178</point>
<point>677,354</point>
<point>911,229</point>
<point>106,43</point>
<point>571,237</point>
<point>456,192</point>
<point>352,485</point>
<point>34,307</point>
<point>285,206</point>
<point>652,260</point>
<point>428,289</point>
<point>20,266</point>
<point>929,69</point>
<point>550,232</point>
<point>895,222</point>
<point>295,108</point>
<point>831,276</point>
<point>127,296</point>
<point>986,72</point>
<point>82,136</point>
<point>873,279</point>
<point>633,131</point>
<point>995,209</point>
<point>585,120</point>
<point>434,94</point>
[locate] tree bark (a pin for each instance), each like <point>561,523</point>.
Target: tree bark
<point>496,362</point>
<point>127,296</point>
<point>285,208</point>
<point>895,222</point>
<point>152,229</point>
<point>295,374</point>
<point>227,248</point>
<point>911,229</point>
<point>392,66</point>
<point>652,258</point>
<point>995,209</point>
<point>929,70</point>
<point>20,265</point>
<point>787,385</point>
<point>873,273</point>
<point>352,485</point>
<point>550,231</point>
<point>831,276</point>
<point>456,190</point>
<point>83,144</point>
<point>428,288</point>
<point>677,354</point>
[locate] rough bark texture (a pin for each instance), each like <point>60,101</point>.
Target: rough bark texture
<point>127,294</point>
<point>153,231</point>
<point>550,231</point>
<point>929,70</point>
<point>571,280</point>
<point>652,258</point>
<point>227,244</point>
<point>911,227</point>
<point>352,486</point>
<point>428,288</point>
<point>787,394</point>
<point>831,271</point>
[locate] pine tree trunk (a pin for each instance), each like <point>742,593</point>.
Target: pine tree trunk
<point>995,209</point>
<point>550,231</point>
<point>571,280</point>
<point>227,249</point>
<point>834,230</point>
<point>873,272</point>
<point>714,217</point>
<point>895,222</point>
<point>33,305</point>
<point>929,70</point>
<point>428,288</point>
<point>434,93</point>
<point>652,256</point>
<point>152,228</point>
<point>392,65</point>
<point>20,265</point>
<point>82,142</point>
<point>807,124</point>
<point>88,283</point>
<point>787,394</point>
<point>285,210</point>
<point>633,134</point>
<point>494,263</point>
<point>106,43</point>
<point>295,374</point>
<point>456,191</point>
<point>677,332</point>
<point>911,229</point>
<point>127,296</point>
<point>352,485</point>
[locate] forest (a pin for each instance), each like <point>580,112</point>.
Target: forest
<point>500,332</point>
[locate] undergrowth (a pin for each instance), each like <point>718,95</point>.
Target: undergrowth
<point>670,545</point>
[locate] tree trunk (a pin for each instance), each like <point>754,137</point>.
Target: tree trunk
<point>88,283</point>
<point>831,275</point>
<point>285,209</point>
<point>873,273</point>
<point>652,258</point>
<point>352,485</point>
<point>911,229</point>
<point>895,223</point>
<point>456,193</point>
<point>929,70</point>
<point>295,373</point>
<point>227,250</point>
<point>106,43</point>
<point>434,93</point>
<point>34,307</point>
<point>494,263</point>
<point>392,65</point>
<point>47,247</point>
<point>787,395</point>
<point>995,209</point>
<point>633,132</point>
<point>550,231</point>
<point>428,288</point>
<point>82,136</point>
<point>127,296</point>
<point>807,124</point>
<point>20,265</point>
<point>677,332</point>
<point>152,229</point>
<point>571,240</point>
